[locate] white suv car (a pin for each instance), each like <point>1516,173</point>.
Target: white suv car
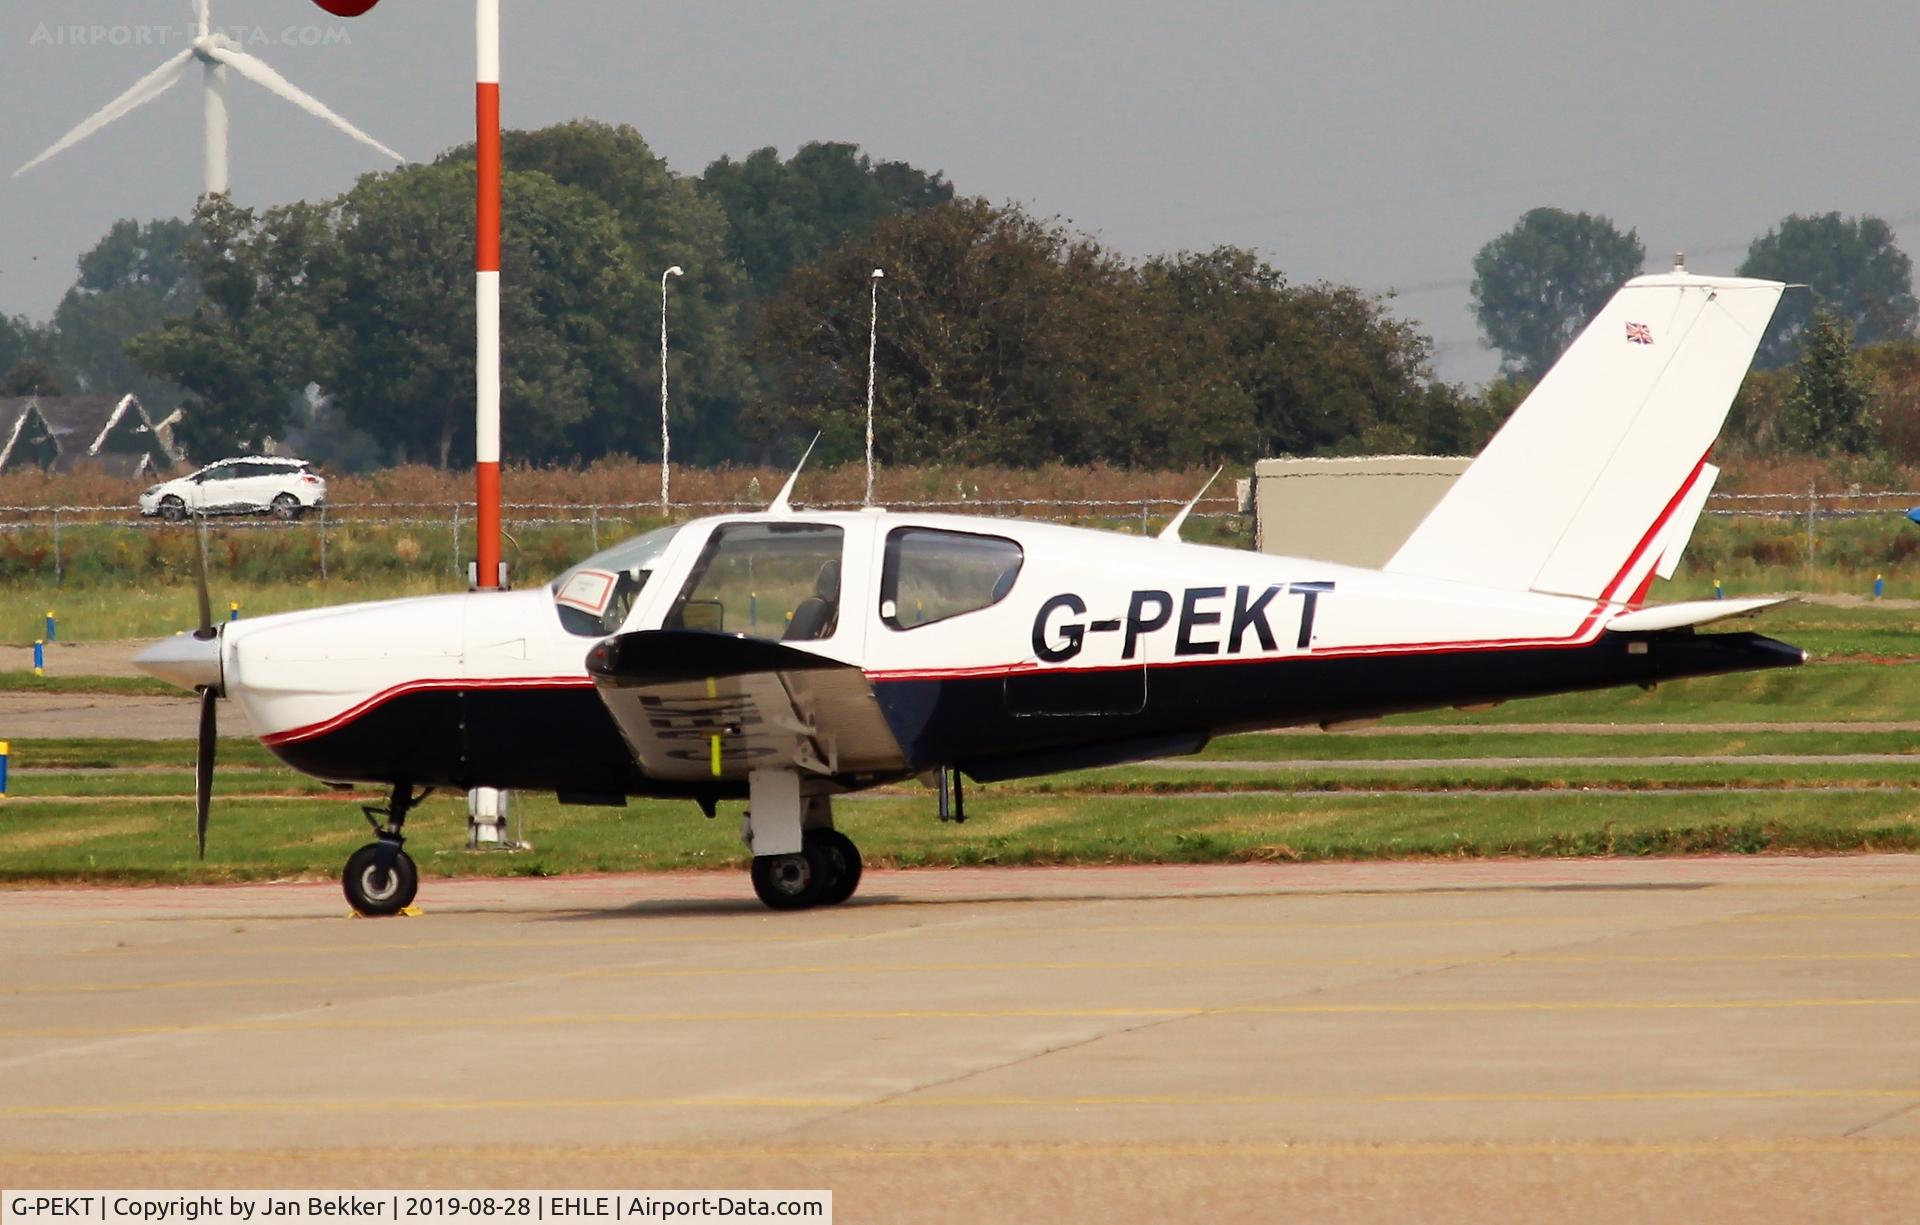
<point>248,484</point>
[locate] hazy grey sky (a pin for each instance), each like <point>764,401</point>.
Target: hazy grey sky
<point>1370,143</point>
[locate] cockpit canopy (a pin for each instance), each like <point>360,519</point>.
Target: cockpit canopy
<point>595,596</point>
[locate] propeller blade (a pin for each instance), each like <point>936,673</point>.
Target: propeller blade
<point>262,74</point>
<point>203,774</point>
<point>143,91</point>
<point>206,629</point>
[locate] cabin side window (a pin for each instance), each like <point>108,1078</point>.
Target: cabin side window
<point>779,581</point>
<point>931,575</point>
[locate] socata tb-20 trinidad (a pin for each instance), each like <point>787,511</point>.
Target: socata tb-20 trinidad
<point>788,656</point>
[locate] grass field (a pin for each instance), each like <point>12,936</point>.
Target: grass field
<point>110,810</point>
<point>151,840</point>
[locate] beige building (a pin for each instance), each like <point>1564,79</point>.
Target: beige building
<point>1355,511</point>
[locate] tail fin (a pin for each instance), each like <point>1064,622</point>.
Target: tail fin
<point>1581,492</point>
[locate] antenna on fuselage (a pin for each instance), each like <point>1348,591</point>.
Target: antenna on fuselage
<point>1172,530</point>
<point>780,505</point>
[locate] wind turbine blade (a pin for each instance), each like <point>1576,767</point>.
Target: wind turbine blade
<point>143,91</point>
<point>202,17</point>
<point>262,74</point>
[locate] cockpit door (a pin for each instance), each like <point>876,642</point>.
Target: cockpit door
<point>799,582</point>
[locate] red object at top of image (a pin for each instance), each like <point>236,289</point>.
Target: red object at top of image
<point>346,8</point>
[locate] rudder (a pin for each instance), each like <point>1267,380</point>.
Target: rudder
<point>1579,492</point>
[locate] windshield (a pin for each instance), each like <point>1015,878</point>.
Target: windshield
<point>595,596</point>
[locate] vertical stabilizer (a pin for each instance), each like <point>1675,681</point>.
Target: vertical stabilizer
<point>1580,492</point>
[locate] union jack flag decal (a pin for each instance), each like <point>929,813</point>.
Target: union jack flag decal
<point>1639,334</point>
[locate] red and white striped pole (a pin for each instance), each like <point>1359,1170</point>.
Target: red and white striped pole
<point>486,440</point>
<point>486,436</point>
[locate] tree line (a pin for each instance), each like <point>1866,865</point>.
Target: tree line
<point>345,326</point>
<point>1837,372</point>
<point>1004,337</point>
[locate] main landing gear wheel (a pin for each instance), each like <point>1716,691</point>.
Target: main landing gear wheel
<point>376,891</point>
<point>824,873</point>
<point>842,861</point>
<point>787,882</point>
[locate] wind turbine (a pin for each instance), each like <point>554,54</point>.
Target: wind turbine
<point>216,53</point>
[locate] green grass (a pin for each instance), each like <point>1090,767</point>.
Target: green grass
<point>157,608</point>
<point>26,681</point>
<point>1705,774</point>
<point>228,781</point>
<point>152,841</point>
<point>1753,554</point>
<point>1317,746</point>
<point>1829,630</point>
<point>1847,691</point>
<point>90,754</point>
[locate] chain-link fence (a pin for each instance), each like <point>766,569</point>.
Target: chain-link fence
<point>1811,540</point>
<point>66,543</point>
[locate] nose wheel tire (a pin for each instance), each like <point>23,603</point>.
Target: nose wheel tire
<point>373,892</point>
<point>824,873</point>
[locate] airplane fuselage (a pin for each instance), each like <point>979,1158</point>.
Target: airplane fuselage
<point>1097,647</point>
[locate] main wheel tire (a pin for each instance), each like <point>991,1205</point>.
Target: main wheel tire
<point>836,852</point>
<point>173,509</point>
<point>369,895</point>
<point>286,506</point>
<point>789,882</point>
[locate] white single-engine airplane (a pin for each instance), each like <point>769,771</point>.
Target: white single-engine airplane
<point>787,656</point>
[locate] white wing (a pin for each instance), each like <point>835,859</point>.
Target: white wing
<point>143,91</point>
<point>262,74</point>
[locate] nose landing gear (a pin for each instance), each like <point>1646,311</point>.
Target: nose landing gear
<point>380,878</point>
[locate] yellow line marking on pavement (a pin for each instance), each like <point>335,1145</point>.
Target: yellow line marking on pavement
<point>1024,1151</point>
<point>945,1102</point>
<point>955,967</point>
<point>1118,1013</point>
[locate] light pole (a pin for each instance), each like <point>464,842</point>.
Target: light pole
<point>873,334</point>
<point>676,270</point>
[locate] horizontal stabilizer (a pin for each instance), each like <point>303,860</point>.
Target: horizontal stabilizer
<point>1693,612</point>
<point>1581,492</point>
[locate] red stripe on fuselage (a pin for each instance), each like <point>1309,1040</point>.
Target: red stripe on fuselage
<point>439,685</point>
